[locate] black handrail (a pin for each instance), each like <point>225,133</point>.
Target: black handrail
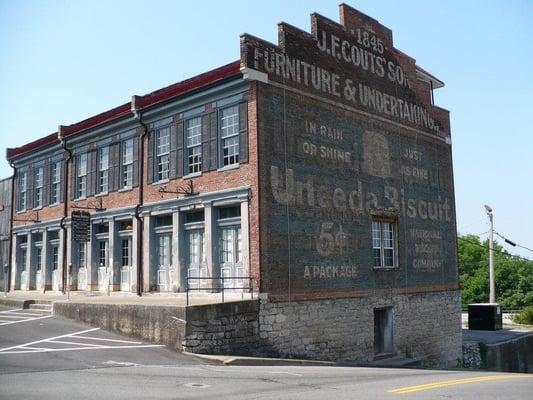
<point>222,286</point>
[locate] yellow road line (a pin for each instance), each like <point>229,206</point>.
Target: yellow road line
<point>439,384</point>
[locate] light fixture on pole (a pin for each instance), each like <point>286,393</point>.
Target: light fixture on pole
<point>492,295</point>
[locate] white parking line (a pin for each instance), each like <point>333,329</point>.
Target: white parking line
<point>28,348</point>
<point>25,320</point>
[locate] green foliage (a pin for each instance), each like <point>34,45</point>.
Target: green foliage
<point>525,316</point>
<point>513,275</point>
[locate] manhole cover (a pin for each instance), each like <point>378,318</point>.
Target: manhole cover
<point>196,385</point>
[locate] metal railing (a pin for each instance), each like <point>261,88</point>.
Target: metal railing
<point>221,284</point>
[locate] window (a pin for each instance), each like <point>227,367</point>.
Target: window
<point>38,257</point>
<point>126,252</point>
<point>103,170</point>
<point>194,145</point>
<point>82,254</point>
<point>162,151</point>
<point>229,212</point>
<point>55,257</point>
<point>82,176</point>
<point>55,182</point>
<point>23,183</point>
<point>102,253</point>
<point>163,220</point>
<point>229,135</point>
<point>384,244</point>
<point>194,216</point>
<point>38,187</point>
<point>127,163</point>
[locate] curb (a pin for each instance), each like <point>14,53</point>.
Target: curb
<point>257,361</point>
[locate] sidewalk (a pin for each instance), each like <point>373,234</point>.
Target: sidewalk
<point>156,299</point>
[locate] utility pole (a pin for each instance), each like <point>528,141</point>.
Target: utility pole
<point>492,291</point>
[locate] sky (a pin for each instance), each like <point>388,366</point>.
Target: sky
<point>64,61</point>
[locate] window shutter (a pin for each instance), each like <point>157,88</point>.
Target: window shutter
<point>243,132</point>
<point>150,157</point>
<point>174,151</point>
<point>114,170</point>
<point>136,161</point>
<point>206,155</point>
<point>73,188</point>
<point>91,172</point>
<point>29,188</point>
<point>213,140</point>
<point>62,184</point>
<point>46,183</point>
<point>180,131</point>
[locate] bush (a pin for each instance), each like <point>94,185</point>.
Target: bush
<point>525,316</point>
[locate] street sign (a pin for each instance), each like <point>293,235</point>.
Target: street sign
<point>81,226</point>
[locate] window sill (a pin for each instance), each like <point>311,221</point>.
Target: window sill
<point>21,211</point>
<point>54,204</point>
<point>229,167</point>
<point>37,208</point>
<point>125,189</point>
<point>395,268</point>
<point>161,182</point>
<point>80,198</point>
<point>193,175</point>
<point>101,194</point>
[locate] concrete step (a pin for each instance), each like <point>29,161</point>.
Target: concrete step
<point>42,307</point>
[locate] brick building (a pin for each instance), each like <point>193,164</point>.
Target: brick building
<point>319,167</point>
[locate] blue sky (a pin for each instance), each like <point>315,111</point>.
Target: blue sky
<point>63,61</point>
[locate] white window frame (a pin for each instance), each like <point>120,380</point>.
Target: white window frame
<point>81,176</point>
<point>22,191</point>
<point>229,136</point>
<point>384,239</point>
<point>38,187</point>
<point>127,164</point>
<point>82,254</point>
<point>162,153</point>
<point>193,144</point>
<point>55,182</point>
<point>126,251</point>
<point>103,170</point>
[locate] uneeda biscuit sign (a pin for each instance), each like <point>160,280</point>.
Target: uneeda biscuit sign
<point>348,136</point>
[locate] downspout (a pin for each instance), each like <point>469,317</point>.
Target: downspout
<point>137,114</point>
<point>11,211</point>
<point>61,137</point>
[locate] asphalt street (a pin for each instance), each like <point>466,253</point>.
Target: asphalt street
<point>47,357</point>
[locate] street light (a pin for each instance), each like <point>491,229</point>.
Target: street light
<point>492,296</point>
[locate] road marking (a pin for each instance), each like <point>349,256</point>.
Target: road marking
<point>108,340</point>
<point>28,348</point>
<point>45,350</point>
<point>440,384</point>
<point>25,320</point>
<point>283,372</point>
<point>49,339</point>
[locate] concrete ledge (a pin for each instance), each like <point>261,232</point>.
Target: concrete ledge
<point>16,303</point>
<point>157,324</point>
<point>258,361</point>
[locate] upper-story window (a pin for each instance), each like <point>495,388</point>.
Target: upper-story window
<point>162,151</point>
<point>127,163</point>
<point>229,135</point>
<point>22,189</point>
<point>38,186</point>
<point>194,145</point>
<point>81,174</point>
<point>103,170</point>
<point>384,243</point>
<point>55,182</point>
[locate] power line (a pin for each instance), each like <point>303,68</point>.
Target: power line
<point>514,244</point>
<point>496,250</point>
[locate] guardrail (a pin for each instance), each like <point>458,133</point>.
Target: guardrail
<point>218,283</point>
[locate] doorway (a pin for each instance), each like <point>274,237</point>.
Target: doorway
<point>383,332</point>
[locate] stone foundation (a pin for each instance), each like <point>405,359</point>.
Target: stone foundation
<point>426,327</point>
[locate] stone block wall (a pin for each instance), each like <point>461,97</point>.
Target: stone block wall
<point>426,327</point>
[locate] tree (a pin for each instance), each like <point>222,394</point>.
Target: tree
<point>513,275</point>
